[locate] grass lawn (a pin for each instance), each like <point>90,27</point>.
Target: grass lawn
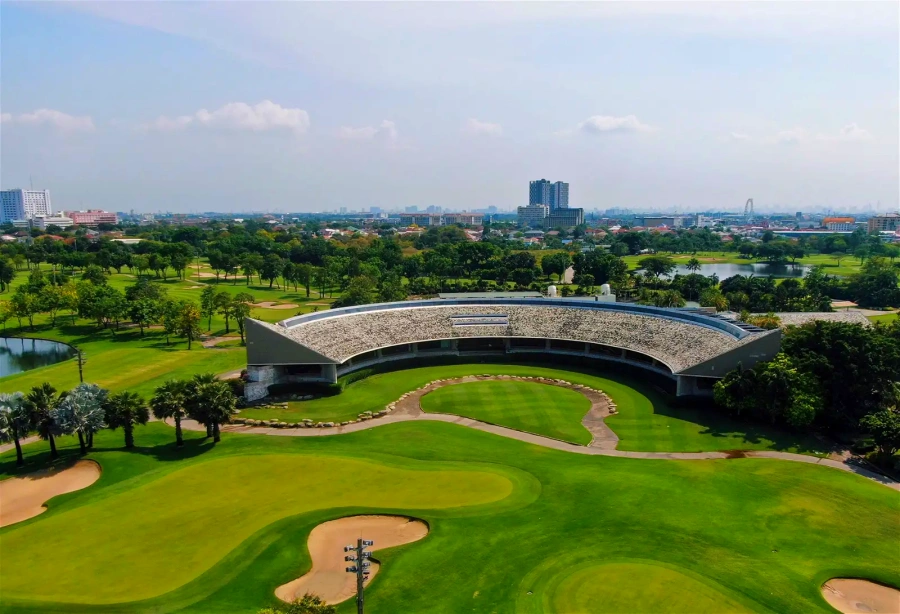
<point>536,408</point>
<point>514,527</point>
<point>886,318</point>
<point>646,421</point>
<point>124,361</point>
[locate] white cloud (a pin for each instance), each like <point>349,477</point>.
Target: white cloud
<point>605,124</point>
<point>850,132</point>
<point>789,137</point>
<point>50,117</point>
<point>386,131</point>
<point>260,117</point>
<point>740,136</point>
<point>473,126</point>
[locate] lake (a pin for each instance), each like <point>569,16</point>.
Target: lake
<point>758,269</point>
<point>19,354</point>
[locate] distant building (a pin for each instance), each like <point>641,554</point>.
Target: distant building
<point>21,204</point>
<point>92,217</point>
<point>653,221</point>
<point>544,192</point>
<point>421,219</point>
<point>412,209</point>
<point>566,218</point>
<point>43,221</point>
<point>466,219</point>
<point>884,223</point>
<point>839,223</point>
<point>533,215</point>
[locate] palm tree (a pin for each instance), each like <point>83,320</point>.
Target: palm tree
<point>81,411</point>
<point>168,402</point>
<point>693,265</point>
<point>41,405</point>
<point>210,402</point>
<point>14,420</point>
<point>126,409</point>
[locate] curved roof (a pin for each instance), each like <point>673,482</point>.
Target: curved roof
<point>680,339</point>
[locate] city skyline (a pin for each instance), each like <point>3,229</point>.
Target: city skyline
<point>300,107</point>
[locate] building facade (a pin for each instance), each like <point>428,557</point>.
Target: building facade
<point>22,204</point>
<point>565,218</point>
<point>884,223</point>
<point>544,192</point>
<point>533,215</point>
<point>839,223</point>
<point>466,219</point>
<point>92,217</point>
<point>441,219</point>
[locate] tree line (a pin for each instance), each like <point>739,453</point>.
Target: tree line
<point>87,409</point>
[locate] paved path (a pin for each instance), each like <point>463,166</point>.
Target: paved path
<point>9,446</point>
<point>408,409</point>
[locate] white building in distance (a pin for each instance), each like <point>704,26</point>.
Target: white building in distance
<point>22,204</point>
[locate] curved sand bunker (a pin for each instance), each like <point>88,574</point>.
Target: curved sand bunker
<point>23,497</point>
<point>328,578</point>
<point>853,596</point>
<point>274,305</point>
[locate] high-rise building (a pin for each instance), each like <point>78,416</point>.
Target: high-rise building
<point>23,204</point>
<point>559,195</point>
<point>554,195</point>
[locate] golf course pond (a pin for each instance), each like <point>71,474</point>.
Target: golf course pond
<point>724,270</point>
<point>19,354</point>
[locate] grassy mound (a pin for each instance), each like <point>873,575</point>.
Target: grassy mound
<point>536,408</point>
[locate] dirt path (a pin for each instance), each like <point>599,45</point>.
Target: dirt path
<point>24,497</point>
<point>407,409</point>
<point>328,577</point>
<point>6,447</point>
<point>214,341</point>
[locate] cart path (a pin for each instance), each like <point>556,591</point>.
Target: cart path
<point>408,408</point>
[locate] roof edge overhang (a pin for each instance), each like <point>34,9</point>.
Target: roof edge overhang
<point>266,344</point>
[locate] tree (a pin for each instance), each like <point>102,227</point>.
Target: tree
<point>81,411</point>
<point>876,284</point>
<point>713,297</point>
<point>208,304</point>
<point>170,310</point>
<point>271,268</point>
<point>125,410</point>
<point>7,274</point>
<point>41,405</point>
<point>94,274</point>
<point>14,421</point>
<point>392,289</point>
<point>225,306</point>
<point>606,268</point>
<point>556,264</point>
<point>144,312</point>
<point>657,265</point>
<point>360,291</point>
<point>25,305</point>
<point>884,426</point>
<point>308,604</point>
<point>210,402</point>
<point>188,321</point>
<point>168,402</point>
<point>241,309</point>
<point>693,265</point>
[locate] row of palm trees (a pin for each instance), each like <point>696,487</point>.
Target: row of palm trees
<point>88,408</point>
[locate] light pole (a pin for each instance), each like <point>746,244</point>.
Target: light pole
<point>361,567</point>
<point>80,365</point>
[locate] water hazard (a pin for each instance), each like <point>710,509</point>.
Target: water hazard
<point>19,354</point>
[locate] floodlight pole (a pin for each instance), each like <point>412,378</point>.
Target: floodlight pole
<point>360,568</point>
<point>359,576</point>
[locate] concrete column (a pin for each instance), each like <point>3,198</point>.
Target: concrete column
<point>378,353</point>
<point>547,344</point>
<point>415,349</point>
<point>587,348</point>
<point>454,345</point>
<point>329,373</point>
<point>623,353</point>
<point>507,345</point>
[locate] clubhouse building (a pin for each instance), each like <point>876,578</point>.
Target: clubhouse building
<point>689,347</point>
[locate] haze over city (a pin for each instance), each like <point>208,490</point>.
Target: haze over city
<point>308,107</point>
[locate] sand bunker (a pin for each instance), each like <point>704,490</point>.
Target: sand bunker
<point>24,497</point>
<point>328,578</point>
<point>853,596</point>
<point>273,305</point>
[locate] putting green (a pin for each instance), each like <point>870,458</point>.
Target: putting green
<point>154,527</point>
<point>526,406</point>
<point>637,588</point>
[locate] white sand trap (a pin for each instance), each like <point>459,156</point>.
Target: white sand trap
<point>193,287</point>
<point>274,305</point>
<point>328,578</point>
<point>202,274</point>
<point>24,497</point>
<point>852,596</point>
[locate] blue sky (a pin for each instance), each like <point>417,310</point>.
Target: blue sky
<point>309,106</point>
